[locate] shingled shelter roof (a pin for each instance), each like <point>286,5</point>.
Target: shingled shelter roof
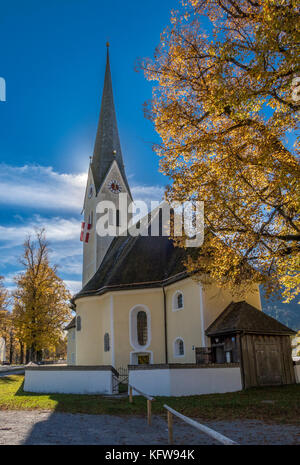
<point>137,262</point>
<point>243,317</point>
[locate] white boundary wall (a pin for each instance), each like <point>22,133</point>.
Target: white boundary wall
<point>186,381</point>
<point>69,380</point>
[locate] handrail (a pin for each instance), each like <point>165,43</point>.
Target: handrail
<point>204,429</point>
<point>149,400</point>
<point>142,393</point>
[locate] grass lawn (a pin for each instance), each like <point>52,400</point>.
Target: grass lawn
<point>282,406</point>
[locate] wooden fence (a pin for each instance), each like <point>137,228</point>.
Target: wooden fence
<point>149,400</point>
<point>204,429</point>
<point>171,412</point>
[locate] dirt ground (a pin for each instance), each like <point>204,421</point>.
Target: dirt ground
<point>43,427</point>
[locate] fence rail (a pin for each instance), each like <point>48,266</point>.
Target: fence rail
<point>149,400</point>
<point>204,429</point>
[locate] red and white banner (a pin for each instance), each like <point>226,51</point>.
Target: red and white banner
<point>85,231</point>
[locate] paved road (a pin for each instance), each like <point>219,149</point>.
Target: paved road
<point>42,427</point>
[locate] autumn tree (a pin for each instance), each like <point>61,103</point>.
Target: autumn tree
<point>227,107</point>
<point>40,300</point>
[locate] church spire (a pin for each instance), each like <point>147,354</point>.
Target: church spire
<point>107,144</point>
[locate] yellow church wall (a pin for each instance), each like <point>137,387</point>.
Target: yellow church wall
<point>123,303</point>
<point>111,313</point>
<point>184,323</point>
<point>94,323</point>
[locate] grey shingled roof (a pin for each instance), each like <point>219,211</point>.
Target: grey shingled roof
<point>243,317</point>
<point>137,262</point>
<point>107,137</point>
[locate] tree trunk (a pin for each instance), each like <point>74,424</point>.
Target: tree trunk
<point>11,348</point>
<point>21,353</point>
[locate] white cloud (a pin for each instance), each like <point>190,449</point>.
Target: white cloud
<point>39,187</point>
<point>42,188</point>
<point>46,192</point>
<point>147,193</point>
<point>73,286</point>
<point>57,229</point>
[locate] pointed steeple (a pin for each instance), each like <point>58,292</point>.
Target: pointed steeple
<point>107,145</point>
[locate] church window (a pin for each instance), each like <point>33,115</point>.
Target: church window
<point>106,342</point>
<point>142,330</point>
<point>90,194</point>
<point>179,347</point>
<point>91,218</point>
<point>117,218</point>
<point>78,323</point>
<point>178,301</point>
<point>140,327</point>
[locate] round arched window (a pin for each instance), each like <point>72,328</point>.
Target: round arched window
<point>142,330</point>
<point>179,347</point>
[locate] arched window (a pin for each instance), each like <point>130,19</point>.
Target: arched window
<point>178,300</point>
<point>142,330</point>
<point>90,193</point>
<point>78,323</point>
<point>140,327</point>
<point>91,218</point>
<point>106,342</point>
<point>179,347</point>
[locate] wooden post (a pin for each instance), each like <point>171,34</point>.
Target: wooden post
<point>170,427</point>
<point>130,394</point>
<point>149,411</point>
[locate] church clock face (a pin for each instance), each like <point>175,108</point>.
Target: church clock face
<point>114,186</point>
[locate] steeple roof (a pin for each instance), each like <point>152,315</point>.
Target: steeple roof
<point>107,144</point>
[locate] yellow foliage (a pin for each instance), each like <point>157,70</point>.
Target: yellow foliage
<point>223,108</point>
<point>41,299</point>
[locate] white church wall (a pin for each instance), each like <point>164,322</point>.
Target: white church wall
<point>186,381</point>
<point>69,380</point>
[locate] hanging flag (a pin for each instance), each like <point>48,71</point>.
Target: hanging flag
<point>85,231</point>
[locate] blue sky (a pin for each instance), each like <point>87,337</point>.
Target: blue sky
<point>52,57</point>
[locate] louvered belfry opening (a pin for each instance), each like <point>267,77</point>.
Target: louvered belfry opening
<point>142,329</point>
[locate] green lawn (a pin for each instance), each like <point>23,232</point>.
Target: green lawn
<point>283,408</point>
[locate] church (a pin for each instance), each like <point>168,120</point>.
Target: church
<point>139,306</point>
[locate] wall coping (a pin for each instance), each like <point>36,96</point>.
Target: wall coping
<point>72,368</point>
<point>171,366</point>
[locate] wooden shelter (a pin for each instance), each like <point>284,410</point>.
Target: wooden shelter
<point>261,345</point>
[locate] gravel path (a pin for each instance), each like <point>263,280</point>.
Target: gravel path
<point>43,427</point>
